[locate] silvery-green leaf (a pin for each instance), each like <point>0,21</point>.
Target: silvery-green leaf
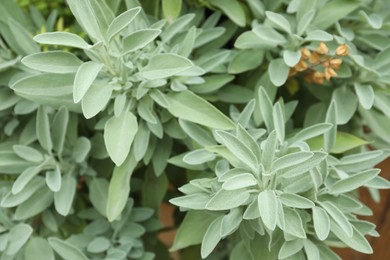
<point>59,129</point>
<point>24,38</point>
<point>378,123</point>
<point>291,159</point>
<point>81,149</point>
<point>164,65</point>
<point>214,60</point>
<point>17,237</point>
<point>265,104</point>
<point>239,149</point>
<point>141,141</point>
<point>34,205</point>
<point>331,118</point>
<point>121,22</point>
<point>278,21</point>
<point>278,72</point>
<point>245,137</point>
<point>252,211</point>
<point>318,35</point>
<point>374,20</point>
<point>249,40</point>
<point>119,188</point>
<point>382,103</point>
<point>171,9</point>
<point>98,245</point>
<point>362,161</point>
<point>54,179</point>
<point>278,119</point>
<point>197,133</point>
<point>159,98</point>
<point>28,153</point>
<point>12,200</point>
<point>211,237</point>
<point>268,206</point>
<point>338,217</point>
<point>119,133</point>
<point>231,222</point>
<point>65,249</point>
<point>268,35</point>
<point>24,178</point>
<point>239,181</point>
<point>177,26</point>
<point>246,114</point>
<point>269,151</point>
<point>96,99</point>
<point>187,45</point>
<point>43,129</point>
<point>291,58</point>
<point>63,199</point>
<point>295,201</point>
<point>311,250</point>
<point>38,248</point>
<point>224,200</point>
<point>98,190</point>
<point>378,183</point>
<point>293,223</point>
<point>353,182</point>
<point>198,156</point>
<point>246,60</point>
<point>62,39</point>
<point>305,21</point>
<point>161,154</point>
<point>188,106</point>
<point>139,39</point>
<point>85,76</point>
<point>233,10</point>
<point>311,131</point>
<point>119,104</point>
<point>195,201</point>
<point>53,62</point>
<point>356,240</point>
<point>290,248</point>
<point>346,104</point>
<point>192,229</point>
<point>146,112</point>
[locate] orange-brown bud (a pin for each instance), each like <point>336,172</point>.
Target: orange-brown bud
<point>329,73</point>
<point>292,72</point>
<point>305,53</point>
<point>335,63</point>
<point>314,58</point>
<point>301,66</point>
<point>318,77</point>
<point>322,49</point>
<point>342,50</point>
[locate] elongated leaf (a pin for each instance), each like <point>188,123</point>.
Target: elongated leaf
<point>17,237</point>
<point>266,108</point>
<point>311,131</point>
<point>23,37</point>
<point>38,248</point>
<point>306,166</point>
<point>346,104</point>
<point>171,9</point>
<point>119,133</point>
<point>53,62</point>
<point>331,118</point>
<point>338,217</point>
<point>139,39</point>
<point>295,201</point>
<point>278,118</point>
<point>224,199</point>
<point>12,200</point>
<point>268,154</point>
<point>62,39</point>
<point>232,9</point>
<point>305,21</point>
<point>121,22</point>
<point>43,129</point>
<point>278,72</point>
<point>24,178</point>
<point>63,199</point>
<point>354,181</point>
<point>190,107</point>
<point>198,156</point>
<point>54,180</point>
<point>65,249</point>
<point>85,76</point>
<point>321,223</point>
<point>98,193</point>
<point>165,65</point>
<point>239,149</point>
<point>211,237</point>
<point>293,223</point>
<point>268,206</point>
<point>290,248</point>
<point>28,153</point>
<point>96,99</point>
<point>231,222</point>
<point>239,181</point>
<point>290,160</point>
<point>34,205</point>
<point>59,129</point>
<point>119,188</point>
<point>365,94</point>
<point>195,201</point>
<point>278,21</point>
<point>268,35</point>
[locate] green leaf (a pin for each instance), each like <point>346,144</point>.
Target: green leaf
<point>98,245</point>
<point>291,159</point>
<point>98,193</point>
<point>233,9</point>
<point>81,149</point>
<point>17,237</point>
<point>38,248</point>
<point>211,237</point>
<point>198,156</point>
<point>353,182</point>
<point>190,107</point>
<point>23,37</point>
<point>278,21</point>
<point>245,60</point>
<point>171,9</point>
<point>305,166</point>
<point>344,142</point>
<point>28,153</point>
<point>165,65</point>
<point>269,36</point>
<point>356,240</point>
<point>333,11</point>
<point>311,131</point>
<point>63,199</point>
<point>191,231</point>
<point>224,200</point>
<point>119,133</point>
<point>96,99</point>
<point>62,39</point>
<point>197,133</point>
<point>85,76</point>
<point>311,250</point>
<point>305,21</point>
<point>318,35</point>
<point>239,181</point>
<point>239,149</point>
<point>12,200</point>
<point>290,248</point>
<point>119,188</point>
<point>54,179</point>
<point>293,223</point>
<point>195,201</point>
<point>268,154</point>
<point>278,119</point>
<point>266,108</point>
<point>24,178</point>
<point>177,26</point>
<point>291,58</point>
<point>53,62</point>
<point>338,217</point>
<point>37,203</point>
<point>331,118</point>
<point>121,22</point>
<point>346,104</point>
<point>295,201</point>
<point>231,222</point>
<point>43,129</point>
<point>362,160</point>
<point>139,39</point>
<point>245,137</point>
<point>378,123</point>
<point>59,129</point>
<point>65,249</point>
<point>278,72</point>
<point>267,202</point>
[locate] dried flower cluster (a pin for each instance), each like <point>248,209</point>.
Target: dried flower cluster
<point>319,65</point>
